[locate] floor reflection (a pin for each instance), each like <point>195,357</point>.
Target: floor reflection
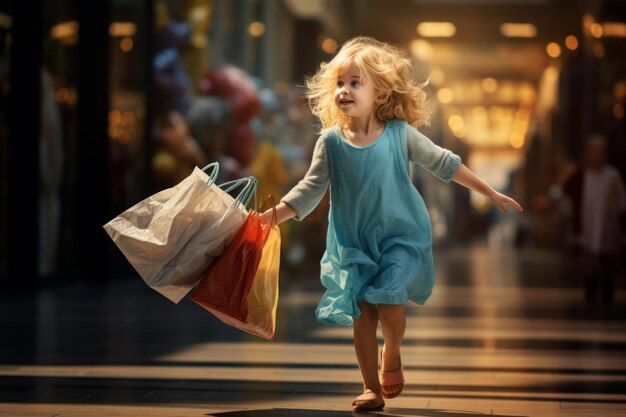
<point>519,347</point>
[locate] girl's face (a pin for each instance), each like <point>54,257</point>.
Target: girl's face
<point>353,95</point>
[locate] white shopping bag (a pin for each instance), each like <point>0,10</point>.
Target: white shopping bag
<point>172,237</point>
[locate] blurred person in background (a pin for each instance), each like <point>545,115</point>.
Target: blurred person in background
<point>598,200</point>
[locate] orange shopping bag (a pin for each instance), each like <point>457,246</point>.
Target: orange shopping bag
<point>237,287</point>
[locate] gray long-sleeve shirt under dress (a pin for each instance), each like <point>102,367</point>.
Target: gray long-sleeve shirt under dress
<point>307,194</point>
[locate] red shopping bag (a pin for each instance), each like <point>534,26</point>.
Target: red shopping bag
<point>224,289</point>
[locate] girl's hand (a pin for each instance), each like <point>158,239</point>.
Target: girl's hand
<point>467,178</point>
<point>501,200</point>
<point>283,212</point>
<point>266,217</point>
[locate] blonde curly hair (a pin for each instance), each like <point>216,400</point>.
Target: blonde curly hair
<point>401,95</point>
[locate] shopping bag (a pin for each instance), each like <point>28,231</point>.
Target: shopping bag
<point>263,295</point>
<point>241,286</point>
<point>172,237</point>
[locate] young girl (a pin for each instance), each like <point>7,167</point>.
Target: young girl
<point>378,246</point>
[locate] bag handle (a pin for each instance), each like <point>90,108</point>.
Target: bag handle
<point>249,182</point>
<point>270,198</point>
<point>250,190</point>
<point>250,185</point>
<point>215,169</point>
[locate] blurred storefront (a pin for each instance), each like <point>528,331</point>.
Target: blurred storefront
<point>104,103</point>
<point>131,95</point>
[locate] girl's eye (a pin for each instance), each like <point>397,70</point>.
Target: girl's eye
<point>339,84</point>
<point>355,84</point>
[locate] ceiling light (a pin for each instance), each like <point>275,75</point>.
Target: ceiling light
<point>122,29</point>
<point>436,29</point>
<point>518,30</point>
<point>64,30</point>
<point>614,29</point>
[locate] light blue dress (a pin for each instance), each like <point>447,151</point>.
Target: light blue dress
<point>379,244</point>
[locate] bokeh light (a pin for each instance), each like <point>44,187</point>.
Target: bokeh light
<point>489,85</point>
<point>517,139</point>
<point>553,50</point>
<point>256,29</point>
<point>596,30</point>
<point>421,49</point>
<point>126,44</point>
<point>456,123</point>
<point>329,45</point>
<point>445,95</point>
<point>598,50</point>
<point>571,42</point>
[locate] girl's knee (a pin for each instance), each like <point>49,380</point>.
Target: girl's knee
<point>369,314</point>
<point>390,314</point>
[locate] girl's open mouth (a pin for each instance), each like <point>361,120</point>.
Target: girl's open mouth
<point>345,101</point>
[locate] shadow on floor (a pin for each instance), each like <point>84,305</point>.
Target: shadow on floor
<point>434,412</point>
<point>392,412</point>
<point>214,392</point>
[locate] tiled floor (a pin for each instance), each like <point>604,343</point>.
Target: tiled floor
<point>505,334</point>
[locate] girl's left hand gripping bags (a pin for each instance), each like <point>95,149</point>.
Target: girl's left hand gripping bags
<point>241,286</point>
<point>172,237</point>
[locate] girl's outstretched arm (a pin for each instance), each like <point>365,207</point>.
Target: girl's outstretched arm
<point>306,195</point>
<point>467,178</point>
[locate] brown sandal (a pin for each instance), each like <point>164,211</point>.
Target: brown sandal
<point>388,378</point>
<point>376,404</point>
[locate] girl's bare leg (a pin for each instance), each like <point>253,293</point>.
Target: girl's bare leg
<point>393,323</point>
<point>366,346</point>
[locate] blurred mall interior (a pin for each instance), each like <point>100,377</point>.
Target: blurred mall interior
<point>133,94</point>
<point>103,103</point>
